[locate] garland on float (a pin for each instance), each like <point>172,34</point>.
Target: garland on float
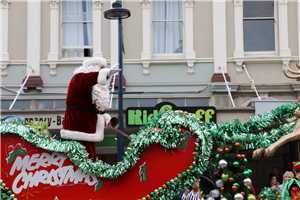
<point>165,130</point>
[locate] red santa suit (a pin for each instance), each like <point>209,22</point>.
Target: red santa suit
<point>87,94</point>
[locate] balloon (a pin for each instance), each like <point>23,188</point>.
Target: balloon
<point>214,193</point>
<point>238,196</point>
<point>219,183</point>
<point>224,177</point>
<point>251,197</point>
<point>223,163</point>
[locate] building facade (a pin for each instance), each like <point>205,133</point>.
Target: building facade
<point>175,51</point>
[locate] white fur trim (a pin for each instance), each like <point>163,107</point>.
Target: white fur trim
<point>88,137</point>
<point>106,117</point>
<point>103,80</point>
<point>94,61</point>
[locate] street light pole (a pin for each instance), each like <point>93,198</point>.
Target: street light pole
<point>119,13</point>
<point>120,138</point>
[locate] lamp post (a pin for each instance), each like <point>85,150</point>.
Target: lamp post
<point>119,13</point>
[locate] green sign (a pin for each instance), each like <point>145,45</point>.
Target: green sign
<point>138,116</point>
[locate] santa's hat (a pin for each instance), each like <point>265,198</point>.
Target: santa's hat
<point>94,61</point>
<point>296,165</point>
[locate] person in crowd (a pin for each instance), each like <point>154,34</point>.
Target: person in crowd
<point>194,193</point>
<point>275,171</point>
<point>273,183</point>
<point>286,177</point>
<point>291,189</point>
<point>180,48</point>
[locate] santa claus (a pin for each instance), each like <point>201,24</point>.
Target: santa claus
<point>87,97</point>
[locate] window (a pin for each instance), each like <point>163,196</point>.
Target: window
<point>40,104</point>
<point>20,104</point>
<point>258,25</point>
<point>176,102</point>
<point>5,104</point>
<point>167,27</point>
<point>77,29</point>
<point>60,103</point>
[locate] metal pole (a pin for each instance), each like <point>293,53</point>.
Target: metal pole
<point>120,138</point>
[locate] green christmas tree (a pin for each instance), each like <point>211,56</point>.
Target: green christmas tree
<point>232,175</point>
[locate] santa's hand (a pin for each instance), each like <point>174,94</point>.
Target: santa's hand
<point>113,69</point>
<point>107,122</point>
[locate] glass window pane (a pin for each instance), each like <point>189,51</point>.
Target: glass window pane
<point>197,102</point>
<point>44,104</point>
<point>77,34</point>
<point>5,104</point>
<point>258,8</point>
<point>167,37</point>
<point>130,103</point>
<point>77,52</point>
<point>176,102</point>
<point>77,11</point>
<point>259,35</point>
<point>167,10</point>
<point>21,105</point>
<point>148,102</point>
<point>60,103</point>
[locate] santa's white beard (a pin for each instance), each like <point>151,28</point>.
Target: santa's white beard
<point>100,97</point>
<point>100,94</point>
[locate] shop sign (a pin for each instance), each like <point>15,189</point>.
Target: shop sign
<point>137,116</point>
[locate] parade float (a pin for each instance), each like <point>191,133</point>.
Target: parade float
<point>161,160</point>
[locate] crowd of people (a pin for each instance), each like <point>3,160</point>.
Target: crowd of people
<point>288,184</point>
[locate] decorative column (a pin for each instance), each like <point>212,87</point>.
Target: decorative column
<point>4,56</point>
<point>146,54</point>
<point>190,54</point>
<point>238,55</point>
<point>34,43</point>
<point>54,36</point>
<point>219,37</point>
<point>97,16</point>
<point>284,50</point>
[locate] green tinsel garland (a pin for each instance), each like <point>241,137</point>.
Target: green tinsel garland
<point>269,193</point>
<point>165,130</point>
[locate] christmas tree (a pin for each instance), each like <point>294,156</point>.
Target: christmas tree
<point>231,173</point>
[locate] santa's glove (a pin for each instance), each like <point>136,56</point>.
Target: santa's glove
<point>113,69</point>
<point>107,122</point>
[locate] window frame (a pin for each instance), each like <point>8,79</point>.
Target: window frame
<point>167,55</point>
<point>264,53</point>
<point>61,47</point>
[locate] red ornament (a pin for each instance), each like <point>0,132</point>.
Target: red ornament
<point>220,150</point>
<point>222,189</point>
<point>243,193</point>
<point>142,150</point>
<point>185,112</point>
<point>216,172</point>
<point>237,144</point>
<point>243,156</point>
<point>234,188</point>
<point>148,196</point>
<point>164,186</point>
<point>227,150</point>
<point>238,156</point>
<point>231,179</point>
<point>65,153</point>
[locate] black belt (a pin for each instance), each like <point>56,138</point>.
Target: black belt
<point>91,110</point>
